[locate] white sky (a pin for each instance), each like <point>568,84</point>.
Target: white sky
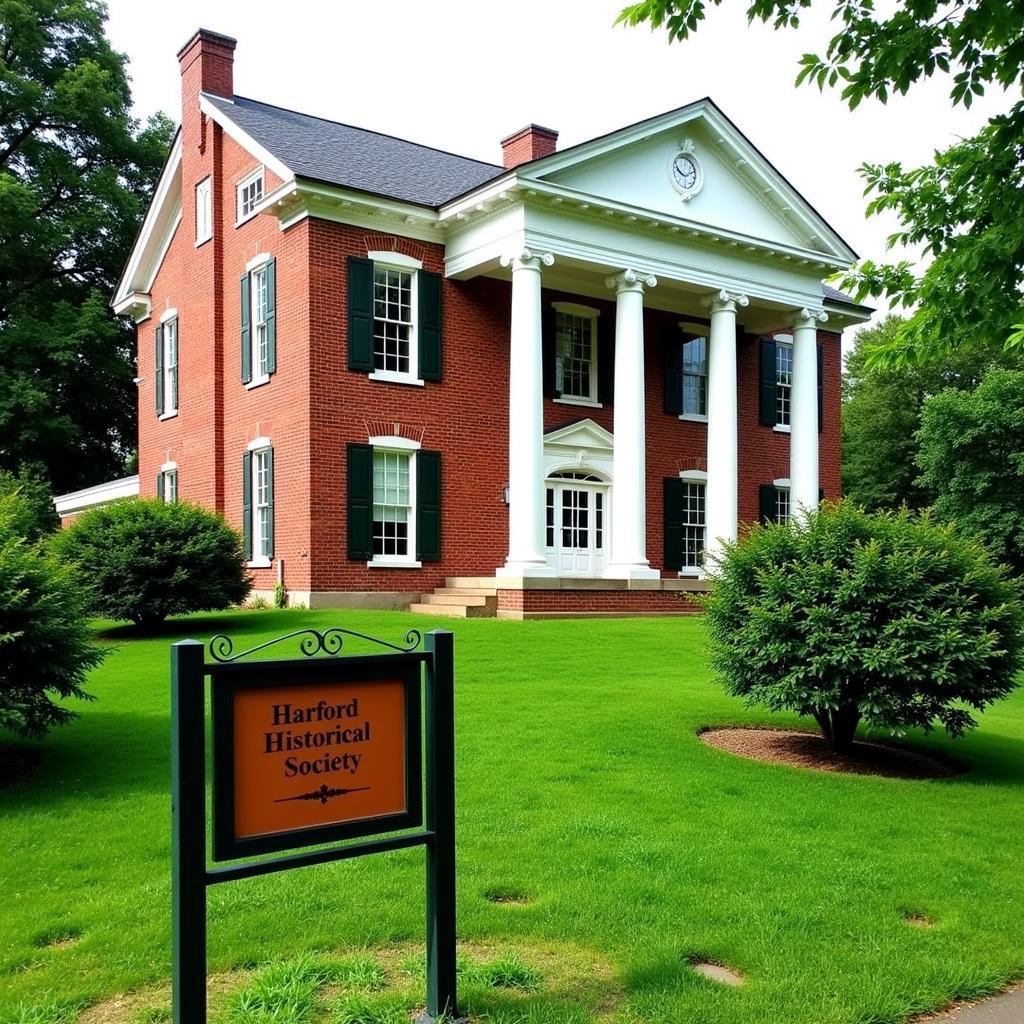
<point>462,74</point>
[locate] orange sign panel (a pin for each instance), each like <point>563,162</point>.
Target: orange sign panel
<point>318,754</point>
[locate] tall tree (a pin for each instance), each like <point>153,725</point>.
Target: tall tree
<point>966,209</point>
<point>882,413</point>
<point>76,171</point>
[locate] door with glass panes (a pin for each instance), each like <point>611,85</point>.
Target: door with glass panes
<point>576,523</point>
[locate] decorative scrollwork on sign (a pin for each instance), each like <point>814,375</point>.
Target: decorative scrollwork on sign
<point>330,642</point>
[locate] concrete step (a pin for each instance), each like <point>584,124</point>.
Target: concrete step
<point>468,591</point>
<point>450,611</point>
<point>469,600</point>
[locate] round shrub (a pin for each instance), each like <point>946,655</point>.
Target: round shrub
<point>45,645</point>
<point>35,515</point>
<point>144,560</point>
<point>849,616</point>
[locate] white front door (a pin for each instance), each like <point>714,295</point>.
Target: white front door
<point>577,521</point>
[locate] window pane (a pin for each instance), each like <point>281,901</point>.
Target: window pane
<point>783,382</point>
<point>392,320</point>
<point>695,375</point>
<point>391,503</point>
<point>693,524</point>
<point>574,353</point>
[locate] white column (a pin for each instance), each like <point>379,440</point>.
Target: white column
<point>803,412</point>
<point>721,502</point>
<point>526,420</point>
<point>629,481</point>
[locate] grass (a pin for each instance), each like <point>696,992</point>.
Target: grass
<point>602,847</point>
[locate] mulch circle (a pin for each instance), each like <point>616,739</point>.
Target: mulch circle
<point>809,750</point>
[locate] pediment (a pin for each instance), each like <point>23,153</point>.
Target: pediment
<point>583,434</point>
<point>739,190</point>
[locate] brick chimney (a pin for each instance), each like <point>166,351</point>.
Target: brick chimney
<point>207,64</point>
<point>529,143</point>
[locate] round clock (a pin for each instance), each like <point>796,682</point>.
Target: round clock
<point>684,172</point>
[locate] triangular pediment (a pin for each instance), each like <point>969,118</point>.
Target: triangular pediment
<point>737,189</point>
<point>583,434</point>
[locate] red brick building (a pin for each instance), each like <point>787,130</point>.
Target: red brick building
<point>556,382</point>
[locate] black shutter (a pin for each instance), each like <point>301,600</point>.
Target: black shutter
<point>548,353</point>
<point>247,505</point>
<point>768,506</point>
<point>272,316</point>
<point>769,379</point>
<point>359,472</point>
<point>159,364</point>
<point>428,506</point>
<point>360,314</point>
<point>160,486</point>
<point>606,358</point>
<point>429,313</point>
<point>672,340</point>
<point>821,494</point>
<point>673,511</point>
<point>821,390</point>
<point>270,501</point>
<point>246,336</point>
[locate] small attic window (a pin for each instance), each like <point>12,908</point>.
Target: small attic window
<point>250,192</point>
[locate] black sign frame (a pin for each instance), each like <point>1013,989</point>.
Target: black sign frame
<point>227,680</point>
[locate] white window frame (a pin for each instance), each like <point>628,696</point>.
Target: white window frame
<point>408,447</point>
<point>782,484</point>
<point>256,266</point>
<point>170,475</point>
<point>171,372</point>
<point>697,476</point>
<point>585,313</point>
<point>204,211</point>
<point>783,341</point>
<point>703,331</point>
<point>258,448</point>
<point>401,263</point>
<point>256,176</point>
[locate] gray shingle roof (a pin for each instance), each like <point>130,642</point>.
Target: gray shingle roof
<point>833,295</point>
<point>339,154</point>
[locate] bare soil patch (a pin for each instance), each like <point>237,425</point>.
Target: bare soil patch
<point>717,972</point>
<point>809,750</point>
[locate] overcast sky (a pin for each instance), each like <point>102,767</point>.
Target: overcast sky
<point>462,74</point>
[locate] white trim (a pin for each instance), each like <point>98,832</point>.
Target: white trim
<point>256,382</point>
<point>137,305</point>
<point>696,476</point>
<point>168,314</point>
<point>693,417</point>
<point>169,467</point>
<point>576,309</point>
<point>260,175</point>
<point>782,482</point>
<point>586,402</point>
<point>259,443</point>
<point>397,444</point>
<point>99,494</point>
<point>159,212</point>
<point>259,260</point>
<point>169,415</point>
<point>390,562</point>
<point>398,260</point>
<point>208,209</point>
<point>412,376</point>
<point>244,139</point>
<point>781,428</point>
<point>391,377</point>
<point>260,563</point>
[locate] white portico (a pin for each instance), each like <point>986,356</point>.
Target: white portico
<point>678,214</point>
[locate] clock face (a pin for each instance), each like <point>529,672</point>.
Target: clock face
<point>684,170</point>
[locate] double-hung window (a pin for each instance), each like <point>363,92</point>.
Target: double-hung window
<point>783,382</point>
<point>685,524</point>
<point>204,212</point>
<point>259,320</point>
<point>249,192</point>
<point>775,502</point>
<point>695,375</point>
<point>167,483</point>
<point>782,504</point>
<point>167,365</point>
<point>258,502</point>
<point>576,352</point>
<point>394,318</point>
<point>394,321</point>
<point>393,503</point>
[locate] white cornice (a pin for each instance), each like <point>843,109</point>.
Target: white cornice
<point>244,139</point>
<point>158,227</point>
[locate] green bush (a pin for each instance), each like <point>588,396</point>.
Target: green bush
<point>45,645</point>
<point>144,560</point>
<point>35,516</point>
<point>848,616</point>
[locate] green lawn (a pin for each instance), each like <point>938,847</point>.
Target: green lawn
<point>583,789</point>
